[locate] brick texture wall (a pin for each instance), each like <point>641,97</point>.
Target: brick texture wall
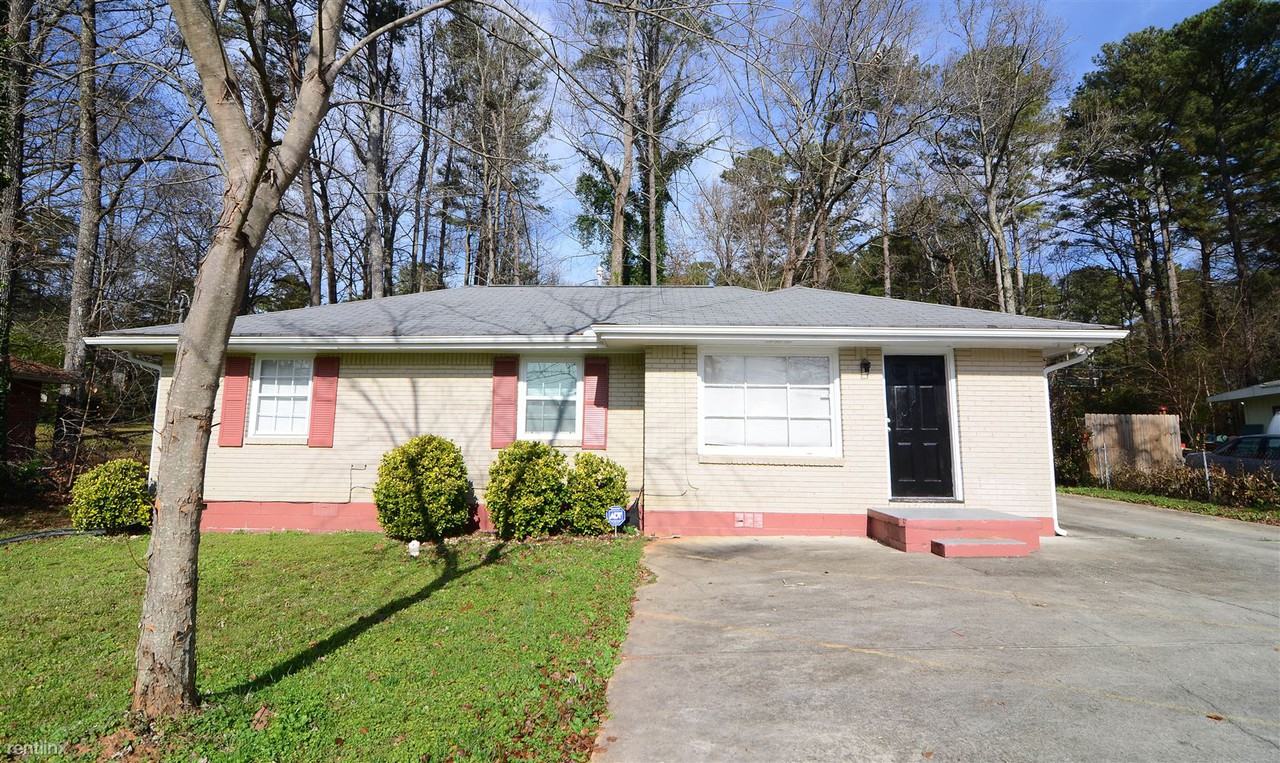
<point>1001,426</point>
<point>383,400</point>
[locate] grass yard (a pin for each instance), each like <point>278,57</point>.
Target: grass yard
<point>1268,517</point>
<point>327,647</point>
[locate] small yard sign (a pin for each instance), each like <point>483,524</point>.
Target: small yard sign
<point>616,516</point>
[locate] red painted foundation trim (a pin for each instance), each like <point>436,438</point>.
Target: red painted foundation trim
<point>266,516</point>
<point>271,516</point>
<point>752,523</point>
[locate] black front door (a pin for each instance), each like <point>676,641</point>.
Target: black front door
<point>919,429</point>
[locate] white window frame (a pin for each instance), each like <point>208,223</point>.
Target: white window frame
<point>562,437</point>
<point>255,395</point>
<point>953,411</point>
<point>836,449</point>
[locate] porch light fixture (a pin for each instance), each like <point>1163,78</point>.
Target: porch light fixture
<point>865,365</point>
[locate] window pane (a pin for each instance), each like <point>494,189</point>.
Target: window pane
<point>555,380</point>
<point>766,432</point>
<point>809,403</point>
<point>809,370</point>
<point>1249,447</point>
<point>767,401</point>
<point>766,370</point>
<point>723,401</point>
<point>550,417</point>
<point>723,431</point>
<point>810,433</point>
<point>783,401</point>
<point>723,369</point>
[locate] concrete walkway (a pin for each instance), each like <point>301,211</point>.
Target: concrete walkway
<point>1145,635</point>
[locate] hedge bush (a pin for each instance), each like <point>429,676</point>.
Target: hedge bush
<point>1258,490</point>
<point>595,484</point>
<point>421,492</point>
<point>526,492</point>
<point>113,496</point>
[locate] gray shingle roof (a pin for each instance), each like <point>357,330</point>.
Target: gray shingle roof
<point>566,310</point>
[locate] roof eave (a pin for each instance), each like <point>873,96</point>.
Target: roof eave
<point>166,343</point>
<point>1047,339</point>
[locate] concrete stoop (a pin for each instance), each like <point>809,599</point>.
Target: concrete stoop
<point>954,532</point>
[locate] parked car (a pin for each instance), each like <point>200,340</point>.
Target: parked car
<point>1250,453</point>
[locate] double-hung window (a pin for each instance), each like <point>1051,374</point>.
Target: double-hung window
<point>551,399</point>
<point>281,405</point>
<point>786,404</point>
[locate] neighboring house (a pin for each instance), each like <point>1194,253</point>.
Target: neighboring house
<point>1260,405</point>
<point>732,410</point>
<point>27,378</point>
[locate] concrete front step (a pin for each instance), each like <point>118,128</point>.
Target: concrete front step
<point>979,547</point>
<point>914,529</point>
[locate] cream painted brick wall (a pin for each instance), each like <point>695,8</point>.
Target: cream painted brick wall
<point>1001,423</point>
<point>385,399</point>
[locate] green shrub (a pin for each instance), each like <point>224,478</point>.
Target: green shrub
<point>421,491</point>
<point>595,484</point>
<point>1259,490</point>
<point>526,491</point>
<point>22,480</point>
<point>111,496</point>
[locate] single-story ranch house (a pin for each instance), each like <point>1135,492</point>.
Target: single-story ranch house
<point>732,410</point>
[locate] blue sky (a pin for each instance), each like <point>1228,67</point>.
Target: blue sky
<point>1088,24</point>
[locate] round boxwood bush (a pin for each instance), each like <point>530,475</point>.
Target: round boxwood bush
<point>526,491</point>
<point>421,493</point>
<point>111,496</point>
<point>595,484</point>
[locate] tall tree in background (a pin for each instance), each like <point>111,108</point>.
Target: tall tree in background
<point>376,76</point>
<point>497,94</point>
<point>1229,60</point>
<point>72,398</point>
<point>997,126</point>
<point>817,80</point>
<point>669,35</point>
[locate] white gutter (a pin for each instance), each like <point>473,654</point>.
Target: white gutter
<point>599,335</point>
<point>363,343</point>
<point>1079,355</point>
<point>986,336</point>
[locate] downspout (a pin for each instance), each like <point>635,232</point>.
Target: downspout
<point>1079,354</point>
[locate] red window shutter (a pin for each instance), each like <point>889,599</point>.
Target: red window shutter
<point>595,405</point>
<point>235,401</point>
<point>324,402</point>
<point>506,372</point>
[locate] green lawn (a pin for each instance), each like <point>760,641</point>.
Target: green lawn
<point>1181,504</point>
<point>342,646</point>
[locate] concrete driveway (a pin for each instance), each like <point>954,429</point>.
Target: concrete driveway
<point>1145,635</point>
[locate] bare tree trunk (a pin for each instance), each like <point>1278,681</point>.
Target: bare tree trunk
<point>1019,285</point>
<point>314,246</point>
<point>791,262</point>
<point>1164,212</point>
<point>1208,308</point>
<point>374,178</point>
<point>321,186</point>
<point>256,175</point>
<point>651,170</point>
<point>71,398</point>
<point>821,257</point>
<point>618,227</point>
<point>884,225</point>
<point>444,221</point>
<point>1241,260</point>
<point>12,143</point>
